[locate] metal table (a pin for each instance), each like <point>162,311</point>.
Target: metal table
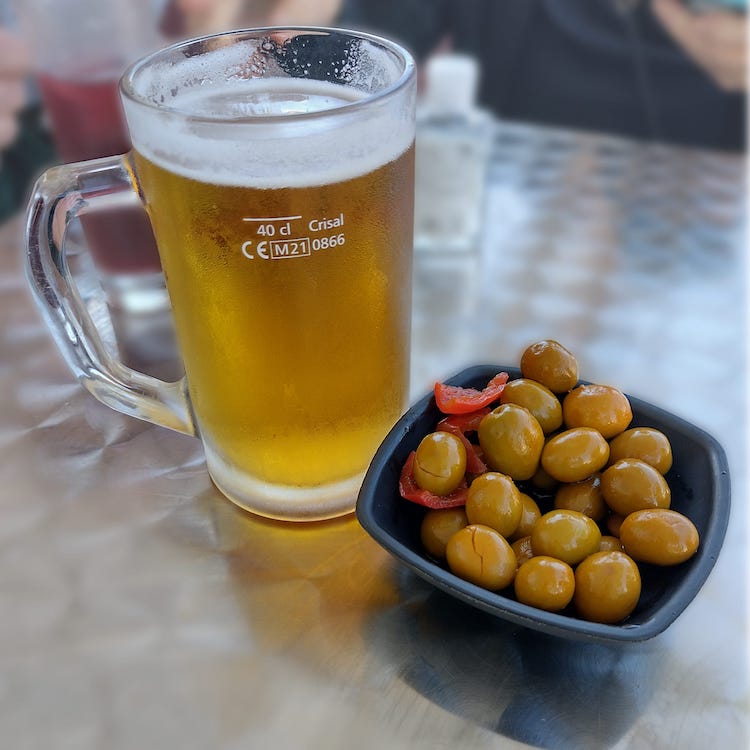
<point>140,609</point>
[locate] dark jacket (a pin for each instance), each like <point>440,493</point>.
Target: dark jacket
<point>603,65</point>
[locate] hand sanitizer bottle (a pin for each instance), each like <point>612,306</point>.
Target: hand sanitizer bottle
<point>452,150</point>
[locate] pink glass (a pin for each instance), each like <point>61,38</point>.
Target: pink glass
<point>88,123</point>
<point>81,48</point>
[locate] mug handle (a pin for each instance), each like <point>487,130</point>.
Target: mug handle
<point>60,195</point>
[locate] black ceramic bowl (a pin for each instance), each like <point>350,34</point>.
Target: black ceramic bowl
<point>699,480</point>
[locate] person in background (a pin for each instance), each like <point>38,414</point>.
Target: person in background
<point>715,41</point>
<point>655,70</point>
<point>648,69</point>
<point>25,145</point>
<point>15,66</point>
<point>209,16</point>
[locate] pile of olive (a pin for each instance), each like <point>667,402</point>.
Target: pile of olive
<point>551,436</point>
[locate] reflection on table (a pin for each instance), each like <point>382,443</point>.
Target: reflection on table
<point>141,609</point>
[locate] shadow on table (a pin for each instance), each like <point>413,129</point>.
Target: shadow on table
<point>532,687</point>
<point>307,591</point>
<point>325,595</point>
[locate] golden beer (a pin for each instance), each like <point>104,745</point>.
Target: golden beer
<point>292,308</point>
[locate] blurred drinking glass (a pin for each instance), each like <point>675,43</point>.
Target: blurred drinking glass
<point>80,50</point>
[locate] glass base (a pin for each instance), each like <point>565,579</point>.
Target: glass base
<point>284,502</point>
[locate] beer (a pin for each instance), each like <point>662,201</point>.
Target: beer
<point>291,296</point>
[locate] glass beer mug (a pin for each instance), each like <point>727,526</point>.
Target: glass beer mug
<point>276,166</point>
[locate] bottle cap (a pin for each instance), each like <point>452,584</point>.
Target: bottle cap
<point>451,81</point>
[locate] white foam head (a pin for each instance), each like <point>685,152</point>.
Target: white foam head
<point>232,115</point>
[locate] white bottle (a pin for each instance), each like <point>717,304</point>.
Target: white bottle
<point>452,150</point>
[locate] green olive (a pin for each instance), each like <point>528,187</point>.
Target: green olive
<point>482,556</point>
<point>550,364</point>
<point>530,514</point>
<point>659,536</point>
<point>610,542</point>
<point>613,523</point>
<point>494,500</point>
<point>565,534</point>
<point>608,586</point>
<point>575,454</point>
<point>538,399</point>
<point>522,548</point>
<point>438,526</point>
<point>632,484</point>
<point>545,582</point>
<point>602,407</point>
<point>584,496</point>
<point>646,443</point>
<point>511,440</point>
<point>542,480</point>
<point>440,463</point>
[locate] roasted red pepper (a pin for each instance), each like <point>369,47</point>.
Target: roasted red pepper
<point>459,425</point>
<point>464,423</point>
<point>453,399</point>
<point>410,490</point>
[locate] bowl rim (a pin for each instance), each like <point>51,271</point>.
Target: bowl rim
<point>510,609</point>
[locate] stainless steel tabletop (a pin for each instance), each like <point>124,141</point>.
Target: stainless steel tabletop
<point>140,609</point>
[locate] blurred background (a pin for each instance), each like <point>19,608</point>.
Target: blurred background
<point>507,92</point>
<point>672,71</point>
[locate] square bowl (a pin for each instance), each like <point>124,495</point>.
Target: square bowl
<point>700,486</point>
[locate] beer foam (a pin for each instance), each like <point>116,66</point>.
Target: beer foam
<point>262,132</point>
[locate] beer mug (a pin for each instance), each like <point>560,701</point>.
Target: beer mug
<point>276,166</point>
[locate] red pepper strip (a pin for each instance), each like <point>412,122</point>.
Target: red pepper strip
<point>466,422</point>
<point>457,425</point>
<point>453,399</point>
<point>410,490</point>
